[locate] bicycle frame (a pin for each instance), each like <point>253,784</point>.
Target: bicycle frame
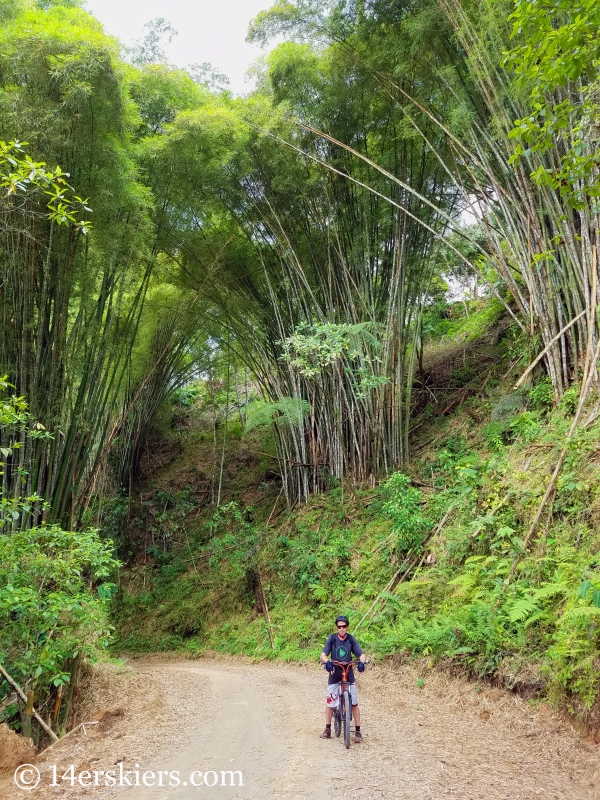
<point>343,712</point>
<point>344,683</point>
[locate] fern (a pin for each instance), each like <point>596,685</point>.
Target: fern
<point>521,609</point>
<point>464,583</point>
<point>549,590</point>
<point>540,615</point>
<point>288,411</point>
<point>393,601</point>
<point>580,611</point>
<point>362,332</point>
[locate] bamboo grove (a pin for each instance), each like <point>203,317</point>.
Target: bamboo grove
<point>301,230</point>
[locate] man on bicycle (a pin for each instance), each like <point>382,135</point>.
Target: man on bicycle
<point>341,646</point>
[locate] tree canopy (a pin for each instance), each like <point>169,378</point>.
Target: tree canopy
<point>305,228</point>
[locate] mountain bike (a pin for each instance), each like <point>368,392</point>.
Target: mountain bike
<point>342,715</point>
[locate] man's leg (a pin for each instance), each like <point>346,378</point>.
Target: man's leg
<point>356,717</point>
<point>328,715</point>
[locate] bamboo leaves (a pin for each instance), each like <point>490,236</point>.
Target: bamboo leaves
<point>20,175</point>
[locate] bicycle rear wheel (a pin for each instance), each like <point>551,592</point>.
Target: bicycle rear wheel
<point>337,725</point>
<point>346,709</point>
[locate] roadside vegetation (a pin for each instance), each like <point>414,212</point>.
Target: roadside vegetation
<point>333,344</point>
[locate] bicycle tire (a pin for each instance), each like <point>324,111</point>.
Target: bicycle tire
<point>347,709</point>
<point>337,725</point>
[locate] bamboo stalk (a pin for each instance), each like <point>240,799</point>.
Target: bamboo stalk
<point>71,692</point>
<point>26,716</point>
<point>550,344</point>
<point>266,610</point>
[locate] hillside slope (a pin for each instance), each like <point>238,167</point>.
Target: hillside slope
<point>431,563</point>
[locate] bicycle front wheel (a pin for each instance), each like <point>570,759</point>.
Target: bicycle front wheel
<point>346,708</point>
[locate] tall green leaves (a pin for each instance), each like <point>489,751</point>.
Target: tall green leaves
<point>555,57</point>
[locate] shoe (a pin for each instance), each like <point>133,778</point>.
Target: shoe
<point>326,734</point>
<point>357,737</point>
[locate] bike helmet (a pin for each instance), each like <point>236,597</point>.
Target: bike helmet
<point>342,619</point>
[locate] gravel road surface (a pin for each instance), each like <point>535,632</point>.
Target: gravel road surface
<point>446,739</point>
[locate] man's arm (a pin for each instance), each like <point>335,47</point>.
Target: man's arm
<point>358,651</point>
<point>326,651</point>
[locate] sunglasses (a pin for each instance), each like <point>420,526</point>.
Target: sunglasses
<point>342,626</point>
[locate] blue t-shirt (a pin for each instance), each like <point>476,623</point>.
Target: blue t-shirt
<point>342,650</point>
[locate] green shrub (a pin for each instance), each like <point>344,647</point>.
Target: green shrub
<point>53,603</point>
<point>403,506</point>
<point>541,395</point>
<point>570,399</point>
<point>495,434</point>
<point>53,583</point>
<point>185,395</point>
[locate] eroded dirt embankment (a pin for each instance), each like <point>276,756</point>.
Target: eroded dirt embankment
<point>446,739</point>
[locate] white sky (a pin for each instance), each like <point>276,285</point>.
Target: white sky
<point>209,30</point>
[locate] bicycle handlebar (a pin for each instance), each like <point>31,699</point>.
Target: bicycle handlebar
<point>345,665</point>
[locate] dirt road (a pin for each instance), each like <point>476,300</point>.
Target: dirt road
<point>446,739</point>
